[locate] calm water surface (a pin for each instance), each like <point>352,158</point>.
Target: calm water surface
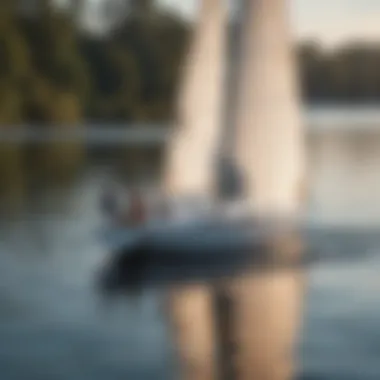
<point>52,325</point>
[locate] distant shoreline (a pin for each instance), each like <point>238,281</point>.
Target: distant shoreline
<point>316,117</point>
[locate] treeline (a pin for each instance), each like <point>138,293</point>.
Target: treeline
<point>349,74</point>
<point>52,72</point>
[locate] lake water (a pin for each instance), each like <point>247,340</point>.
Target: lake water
<point>53,326</point>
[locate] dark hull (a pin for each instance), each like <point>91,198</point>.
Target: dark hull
<point>202,251</point>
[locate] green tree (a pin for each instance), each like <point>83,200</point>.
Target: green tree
<point>14,68</point>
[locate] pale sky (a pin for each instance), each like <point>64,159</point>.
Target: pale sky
<point>331,21</point>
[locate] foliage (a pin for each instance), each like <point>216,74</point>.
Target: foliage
<point>347,74</point>
<point>51,71</point>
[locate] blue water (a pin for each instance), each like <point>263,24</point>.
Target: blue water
<point>53,325</point>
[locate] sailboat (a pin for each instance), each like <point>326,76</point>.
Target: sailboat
<point>268,149</point>
<point>202,242</point>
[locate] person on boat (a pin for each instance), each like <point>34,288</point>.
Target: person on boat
<point>136,214</point>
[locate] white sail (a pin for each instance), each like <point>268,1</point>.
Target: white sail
<point>191,154</point>
<point>269,139</point>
